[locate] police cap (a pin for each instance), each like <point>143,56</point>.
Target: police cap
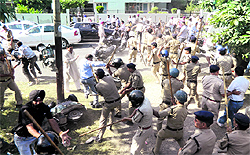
<point>204,116</point>
<point>195,57</point>
<point>192,38</point>
<point>131,65</point>
<point>242,119</point>
<point>188,49</point>
<point>214,68</point>
<point>154,44</point>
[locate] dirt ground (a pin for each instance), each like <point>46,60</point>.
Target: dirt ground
<point>153,91</point>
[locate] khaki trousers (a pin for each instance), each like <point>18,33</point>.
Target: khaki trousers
<point>193,95</point>
<point>132,55</point>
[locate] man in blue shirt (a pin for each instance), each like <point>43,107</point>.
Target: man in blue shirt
<point>87,77</point>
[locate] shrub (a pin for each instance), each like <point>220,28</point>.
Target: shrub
<point>99,9</point>
<point>140,12</point>
<point>174,10</point>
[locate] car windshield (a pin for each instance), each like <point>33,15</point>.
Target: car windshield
<point>15,27</point>
<point>27,26</point>
<point>35,30</point>
<point>67,27</point>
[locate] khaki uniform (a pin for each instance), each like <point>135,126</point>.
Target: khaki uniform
<point>226,62</point>
<point>163,68</point>
<point>184,58</point>
<point>173,51</point>
<point>150,39</point>
<point>144,45</point>
<point>193,48</point>
<point>136,82</point>
<point>166,96</point>
<point>156,63</point>
<point>123,74</point>
<point>211,97</point>
<point>176,116</point>
<point>160,42</point>
<point>167,38</point>
<point>132,44</point>
<point>192,70</point>
<point>142,117</point>
<point>237,142</point>
<point>8,37</point>
<point>8,82</point>
<point>106,87</point>
<point>201,142</point>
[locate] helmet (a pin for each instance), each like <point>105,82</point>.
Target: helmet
<point>136,97</point>
<point>2,51</point>
<point>100,73</point>
<point>44,146</point>
<point>117,62</point>
<point>174,72</point>
<point>181,96</point>
<point>164,53</point>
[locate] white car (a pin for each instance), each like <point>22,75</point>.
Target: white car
<point>19,26</point>
<point>43,34</point>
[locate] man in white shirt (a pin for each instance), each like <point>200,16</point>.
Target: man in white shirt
<point>108,21</point>
<point>239,84</point>
<point>101,33</point>
<point>183,32</point>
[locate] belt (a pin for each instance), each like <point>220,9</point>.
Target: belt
<point>113,100</point>
<point>211,99</point>
<point>89,77</point>
<point>5,80</point>
<point>144,128</point>
<point>236,101</point>
<point>139,88</point>
<point>227,74</point>
<point>164,74</point>
<point>194,81</point>
<point>174,129</point>
<point>156,62</point>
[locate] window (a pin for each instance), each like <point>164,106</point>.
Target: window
<point>35,30</point>
<point>27,26</point>
<point>15,27</point>
<point>48,28</point>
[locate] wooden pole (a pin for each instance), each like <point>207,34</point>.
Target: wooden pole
<point>43,132</point>
<point>179,57</point>
<point>198,37</point>
<point>169,78</point>
<point>225,91</point>
<point>100,128</point>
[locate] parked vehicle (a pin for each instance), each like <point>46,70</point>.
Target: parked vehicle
<point>43,34</point>
<point>48,57</point>
<point>103,53</point>
<point>89,31</point>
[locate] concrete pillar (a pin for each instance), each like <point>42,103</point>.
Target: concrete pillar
<point>178,13</point>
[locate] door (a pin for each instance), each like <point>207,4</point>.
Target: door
<point>48,35</point>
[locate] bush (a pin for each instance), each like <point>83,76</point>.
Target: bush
<point>174,10</point>
<point>99,9</point>
<point>24,9</point>
<point>162,12</point>
<point>154,9</point>
<point>140,12</point>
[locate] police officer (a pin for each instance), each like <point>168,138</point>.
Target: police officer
<point>191,71</point>
<point>7,81</point>
<point>238,141</point>
<point>160,41</point>
<point>176,116</point>
<point>163,55</point>
<point>142,116</point>
<point>122,73</point>
<point>132,45</point>
<point>9,38</point>
<point>106,87</point>
<point>173,46</point>
<point>156,61</point>
<point>194,48</point>
<point>225,61</point>
<point>213,91</point>
<point>165,92</point>
<point>150,39</point>
<point>203,140</point>
<point>135,81</point>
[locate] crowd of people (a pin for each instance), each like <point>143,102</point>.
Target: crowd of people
<point>171,51</point>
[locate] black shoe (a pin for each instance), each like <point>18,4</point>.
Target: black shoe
<point>98,140</point>
<point>110,128</point>
<point>118,115</point>
<point>98,106</point>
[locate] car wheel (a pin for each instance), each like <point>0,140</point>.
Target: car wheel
<point>40,47</point>
<point>64,43</point>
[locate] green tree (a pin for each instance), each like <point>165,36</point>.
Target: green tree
<point>44,5</point>
<point>234,21</point>
<point>6,12</point>
<point>24,9</point>
<point>154,10</point>
<point>68,4</point>
<point>191,7</point>
<point>99,9</point>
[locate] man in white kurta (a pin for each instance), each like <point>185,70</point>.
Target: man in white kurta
<point>71,70</point>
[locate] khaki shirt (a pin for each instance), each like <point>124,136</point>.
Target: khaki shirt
<point>167,38</point>
<point>192,70</point>
<point>136,80</point>
<point>185,58</point>
<point>176,116</point>
<point>164,68</point>
<point>213,87</point>
<point>225,61</point>
<point>106,87</point>
<point>122,73</point>
<point>154,55</point>
<point>150,39</point>
<point>193,48</point>
<point>144,114</point>
<point>237,142</point>
<point>132,42</point>
<point>174,46</point>
<point>206,140</point>
<point>176,85</point>
<point>8,37</point>
<point>4,70</point>
<point>160,42</point>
